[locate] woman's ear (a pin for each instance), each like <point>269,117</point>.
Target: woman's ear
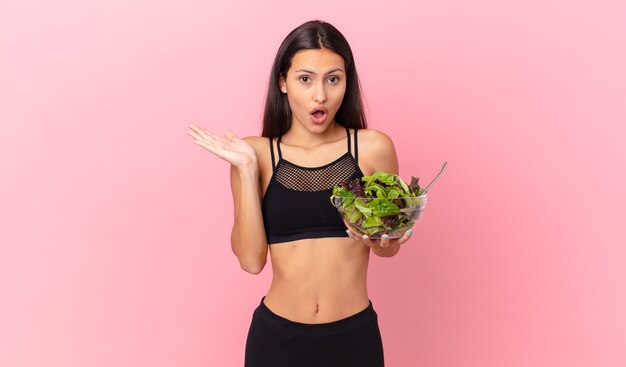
<point>282,83</point>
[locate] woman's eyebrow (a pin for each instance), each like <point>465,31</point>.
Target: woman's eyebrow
<point>312,72</point>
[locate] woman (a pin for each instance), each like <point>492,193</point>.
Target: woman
<point>317,311</point>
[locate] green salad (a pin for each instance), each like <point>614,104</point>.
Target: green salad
<point>378,204</point>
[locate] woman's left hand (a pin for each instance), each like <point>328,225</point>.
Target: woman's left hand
<point>384,247</point>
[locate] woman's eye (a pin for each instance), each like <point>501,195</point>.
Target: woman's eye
<point>334,79</point>
<point>304,77</point>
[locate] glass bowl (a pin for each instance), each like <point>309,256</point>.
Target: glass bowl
<point>377,216</point>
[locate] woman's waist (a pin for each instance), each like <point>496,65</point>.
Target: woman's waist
<point>318,327</point>
<point>314,302</point>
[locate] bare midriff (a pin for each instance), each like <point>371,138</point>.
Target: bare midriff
<point>318,280</point>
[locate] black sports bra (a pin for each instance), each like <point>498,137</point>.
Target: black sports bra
<point>296,204</point>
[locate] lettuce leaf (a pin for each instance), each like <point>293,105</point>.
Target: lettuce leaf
<point>386,196</point>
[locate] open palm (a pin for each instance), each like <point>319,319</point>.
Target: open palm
<point>230,148</point>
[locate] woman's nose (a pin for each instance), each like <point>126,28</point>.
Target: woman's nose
<point>320,94</point>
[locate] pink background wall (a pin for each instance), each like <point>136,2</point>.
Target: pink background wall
<point>114,226</point>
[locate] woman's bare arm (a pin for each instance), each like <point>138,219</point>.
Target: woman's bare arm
<point>248,240</point>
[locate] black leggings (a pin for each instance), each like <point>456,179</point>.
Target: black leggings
<point>274,341</point>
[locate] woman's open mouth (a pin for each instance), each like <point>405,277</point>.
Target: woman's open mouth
<point>318,116</point>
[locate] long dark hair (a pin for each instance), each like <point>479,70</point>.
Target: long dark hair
<point>314,34</point>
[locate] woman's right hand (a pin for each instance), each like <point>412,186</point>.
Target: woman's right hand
<point>230,148</point>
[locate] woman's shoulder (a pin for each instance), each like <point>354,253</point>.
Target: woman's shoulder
<point>260,143</point>
<point>256,140</point>
<point>376,152</point>
<point>374,140</point>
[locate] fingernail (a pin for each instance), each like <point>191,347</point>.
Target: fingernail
<point>385,237</point>
<point>364,238</point>
<point>410,232</point>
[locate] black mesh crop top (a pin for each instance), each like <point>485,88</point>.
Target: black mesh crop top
<point>296,204</point>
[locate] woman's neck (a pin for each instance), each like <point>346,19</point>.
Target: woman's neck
<point>299,136</point>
